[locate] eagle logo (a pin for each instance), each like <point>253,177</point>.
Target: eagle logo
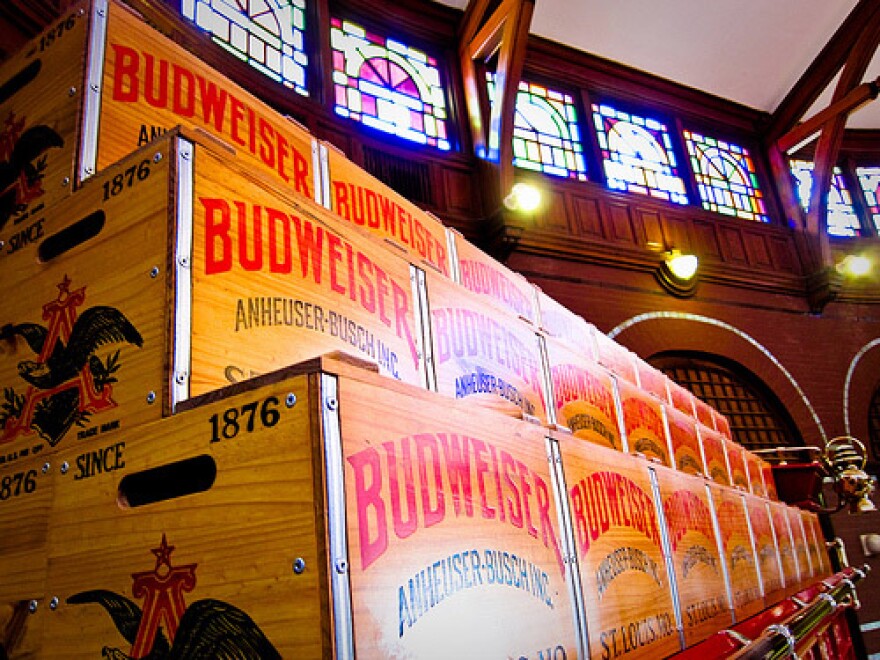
<point>205,630</point>
<point>23,164</point>
<point>67,382</point>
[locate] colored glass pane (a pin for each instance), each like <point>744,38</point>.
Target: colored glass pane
<point>545,131</point>
<point>726,178</point>
<point>842,218</point>
<point>387,85</point>
<point>637,154</point>
<point>267,34</point>
<point>869,180</point>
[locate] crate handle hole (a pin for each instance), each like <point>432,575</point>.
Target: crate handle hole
<point>70,237</point>
<point>166,482</point>
<point>20,80</point>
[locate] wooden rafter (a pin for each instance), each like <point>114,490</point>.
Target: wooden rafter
<point>849,52</point>
<point>503,33</point>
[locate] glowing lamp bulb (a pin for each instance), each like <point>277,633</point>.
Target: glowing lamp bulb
<point>683,266</point>
<point>855,265</point>
<point>523,197</point>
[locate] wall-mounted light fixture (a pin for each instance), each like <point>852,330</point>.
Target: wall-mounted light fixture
<point>523,197</point>
<point>678,272</point>
<point>854,265</point>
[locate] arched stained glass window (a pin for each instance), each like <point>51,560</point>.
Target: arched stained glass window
<point>842,218</point>
<point>725,177</point>
<point>267,34</point>
<point>546,137</point>
<point>387,85</point>
<point>637,154</point>
<point>869,180</point>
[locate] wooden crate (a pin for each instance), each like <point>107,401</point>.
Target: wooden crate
<point>738,551</point>
<point>455,548</point>
<point>816,545</point>
<point>693,546</point>
<point>714,455</point>
<point>644,423</point>
<point>650,379</point>
<point>584,395</point>
<point>277,279</point>
<point>86,339</point>
<point>755,472</point>
<point>364,201</point>
<point>801,550</point>
<point>479,273</point>
<point>482,354</point>
<point>76,115</point>
<point>769,565</point>
<point>680,398</point>
<point>40,106</point>
<point>560,323</point>
<point>618,359</point>
<point>618,539</point>
<point>194,525</point>
<point>315,512</point>
<point>685,442</point>
<point>736,464</point>
<point>785,546</point>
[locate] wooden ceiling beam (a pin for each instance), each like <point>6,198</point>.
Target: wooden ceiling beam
<point>824,67</point>
<point>503,33</point>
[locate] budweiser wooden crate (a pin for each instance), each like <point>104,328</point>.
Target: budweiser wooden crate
<point>644,423</point>
<point>455,548</point>
<point>616,358</point>
<point>482,354</point>
<point>205,530</point>
<point>799,541</point>
<point>693,547</point>
<point>684,441</point>
<point>681,398</point>
<point>560,323</point>
<point>736,463</point>
<point>816,543</point>
<point>618,539</point>
<point>99,84</point>
<point>756,474</point>
<point>738,551</point>
<point>584,396</point>
<point>766,550</point>
<point>650,379</point>
<point>714,455</point>
<point>84,343</point>
<point>40,105</point>
<point>785,546</point>
<point>320,511</point>
<point>479,273</point>
<point>364,201</point>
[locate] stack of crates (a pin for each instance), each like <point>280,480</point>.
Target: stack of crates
<point>257,404</point>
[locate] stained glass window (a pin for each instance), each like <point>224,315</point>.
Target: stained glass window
<point>637,154</point>
<point>546,137</point>
<point>725,177</point>
<point>267,34</point>
<point>385,84</point>
<point>869,180</point>
<point>842,218</point>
